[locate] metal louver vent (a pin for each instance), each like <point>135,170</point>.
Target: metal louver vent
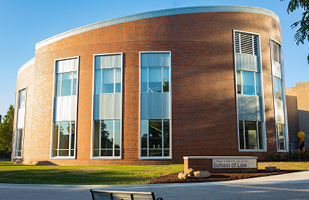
<point>237,43</point>
<point>247,44</point>
<point>256,45</point>
<point>275,48</point>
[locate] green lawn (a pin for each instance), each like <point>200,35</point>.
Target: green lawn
<point>103,175</point>
<point>83,175</point>
<point>285,165</point>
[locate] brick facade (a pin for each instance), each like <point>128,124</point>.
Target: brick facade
<point>204,114</point>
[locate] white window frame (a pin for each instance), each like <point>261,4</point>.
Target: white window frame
<point>140,110</point>
<point>121,108</point>
<point>263,121</point>
<point>53,109</point>
<point>285,125</point>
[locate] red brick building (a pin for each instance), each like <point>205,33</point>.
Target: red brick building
<point>153,87</point>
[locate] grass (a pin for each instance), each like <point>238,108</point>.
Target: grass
<point>83,175</point>
<point>285,165</point>
<point>103,175</point>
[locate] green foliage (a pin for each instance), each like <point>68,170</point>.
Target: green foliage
<point>288,157</point>
<point>302,33</point>
<point>295,155</point>
<point>6,130</point>
<point>278,157</point>
<point>271,157</point>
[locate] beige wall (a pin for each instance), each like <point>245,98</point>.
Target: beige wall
<point>298,111</point>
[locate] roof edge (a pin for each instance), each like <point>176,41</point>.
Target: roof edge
<point>152,14</point>
<point>27,64</point>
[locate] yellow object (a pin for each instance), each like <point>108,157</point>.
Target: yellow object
<point>301,134</point>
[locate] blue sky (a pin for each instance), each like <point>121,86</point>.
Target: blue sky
<point>23,23</point>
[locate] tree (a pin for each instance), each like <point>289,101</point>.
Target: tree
<point>6,130</point>
<point>302,34</point>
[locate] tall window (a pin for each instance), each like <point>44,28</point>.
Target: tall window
<point>65,108</point>
<point>250,135</point>
<point>107,134</point>
<point>107,138</point>
<point>278,89</point>
<point>155,122</point>
<point>20,123</point>
<point>64,139</point>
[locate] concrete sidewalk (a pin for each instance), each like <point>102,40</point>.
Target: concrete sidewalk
<point>286,186</point>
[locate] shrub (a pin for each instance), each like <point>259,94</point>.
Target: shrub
<point>278,157</point>
<point>288,157</point>
<point>271,157</point>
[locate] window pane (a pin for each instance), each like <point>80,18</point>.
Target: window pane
<point>144,133</point>
<point>155,137</point>
<point>58,85</point>
<point>106,152</point>
<point>22,99</point>
<point>64,135</point>
<point>19,139</point>
<point>257,83</point>
<point>261,143</point>
<point>248,82</point>
<point>96,135</point>
<point>118,80</point>
<point>66,84</point>
<point>117,134</point>
<point>238,82</point>
<point>74,83</point>
<point>166,79</point>
<point>56,135</point>
<point>106,134</point>
<point>144,80</point>
<point>155,80</point>
<point>108,81</point>
<point>251,135</point>
<point>97,81</point>
<point>166,124</point>
<point>72,135</point>
<point>241,135</point>
<point>280,136</point>
<point>63,153</point>
<point>278,88</point>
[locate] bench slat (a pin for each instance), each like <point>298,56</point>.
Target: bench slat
<point>121,195</point>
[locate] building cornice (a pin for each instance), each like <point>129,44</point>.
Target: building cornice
<point>152,14</point>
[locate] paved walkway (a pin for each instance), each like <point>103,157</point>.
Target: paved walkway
<point>286,186</point>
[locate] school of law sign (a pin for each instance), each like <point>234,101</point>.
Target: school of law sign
<point>234,162</point>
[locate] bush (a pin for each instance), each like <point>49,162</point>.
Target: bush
<point>288,157</point>
<point>278,157</point>
<point>295,155</point>
<point>271,157</point>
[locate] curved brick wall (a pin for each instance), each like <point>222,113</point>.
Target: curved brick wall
<point>204,118</point>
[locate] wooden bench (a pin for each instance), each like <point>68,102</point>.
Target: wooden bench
<point>122,195</point>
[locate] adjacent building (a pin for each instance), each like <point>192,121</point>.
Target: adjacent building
<point>297,99</point>
<point>153,87</point>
